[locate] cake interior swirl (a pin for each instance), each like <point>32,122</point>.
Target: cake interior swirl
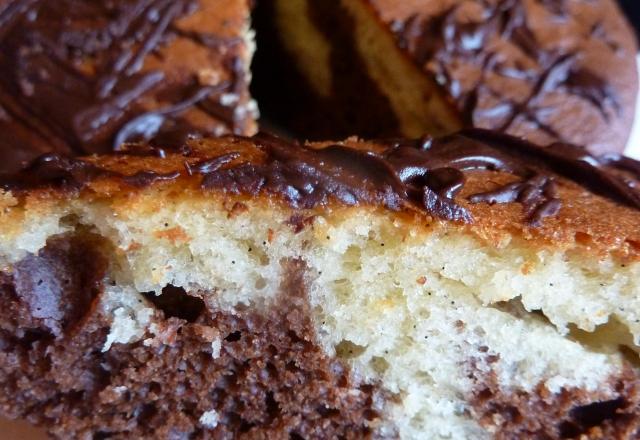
<point>472,286</point>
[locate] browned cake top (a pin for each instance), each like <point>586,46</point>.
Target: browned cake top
<point>560,70</point>
<point>484,181</point>
<point>82,76</point>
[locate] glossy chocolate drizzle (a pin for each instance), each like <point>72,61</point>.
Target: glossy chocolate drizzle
<point>445,40</point>
<point>71,72</point>
<point>426,174</point>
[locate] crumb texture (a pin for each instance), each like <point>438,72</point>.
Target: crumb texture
<point>267,378</point>
<point>346,317</point>
<point>570,414</point>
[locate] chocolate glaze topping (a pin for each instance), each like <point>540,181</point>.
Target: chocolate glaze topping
<point>505,73</point>
<point>443,38</point>
<point>426,174</point>
<point>72,73</point>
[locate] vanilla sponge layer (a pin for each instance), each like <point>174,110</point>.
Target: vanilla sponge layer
<point>425,309</point>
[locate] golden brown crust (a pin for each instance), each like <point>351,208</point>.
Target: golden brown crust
<point>592,222</point>
<point>228,61</point>
<point>588,222</point>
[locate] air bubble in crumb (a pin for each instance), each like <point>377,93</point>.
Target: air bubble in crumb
<point>261,283</point>
<point>209,419</point>
<point>348,350</point>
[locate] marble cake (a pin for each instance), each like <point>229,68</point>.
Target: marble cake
<point>471,286</point>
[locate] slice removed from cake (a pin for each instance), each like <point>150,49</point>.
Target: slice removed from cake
<point>81,77</point>
<point>473,286</point>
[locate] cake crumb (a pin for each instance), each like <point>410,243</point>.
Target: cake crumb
<point>216,346</point>
<point>209,419</point>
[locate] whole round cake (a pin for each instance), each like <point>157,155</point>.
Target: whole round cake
<point>545,70</point>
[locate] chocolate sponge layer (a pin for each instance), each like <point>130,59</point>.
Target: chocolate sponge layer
<point>268,379</point>
<point>205,372</point>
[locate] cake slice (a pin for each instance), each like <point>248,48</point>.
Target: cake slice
<point>81,77</point>
<point>471,286</point>
<point>546,70</point>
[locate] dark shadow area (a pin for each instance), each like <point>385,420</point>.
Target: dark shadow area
<point>632,9</point>
<point>175,302</point>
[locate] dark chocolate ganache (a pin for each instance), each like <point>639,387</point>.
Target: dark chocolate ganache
<point>427,173</point>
